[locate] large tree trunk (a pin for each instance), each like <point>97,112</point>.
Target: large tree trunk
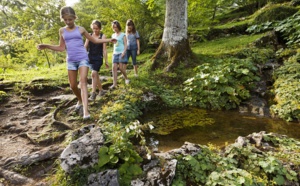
<point>174,47</point>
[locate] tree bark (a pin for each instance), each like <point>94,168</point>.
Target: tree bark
<point>174,47</point>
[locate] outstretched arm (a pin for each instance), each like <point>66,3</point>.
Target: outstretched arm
<point>61,47</point>
<point>105,52</point>
<point>92,39</point>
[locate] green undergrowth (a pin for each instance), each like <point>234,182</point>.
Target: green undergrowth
<point>220,85</point>
<point>287,90</point>
<point>247,165</point>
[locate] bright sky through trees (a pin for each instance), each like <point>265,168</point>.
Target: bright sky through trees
<point>71,2</point>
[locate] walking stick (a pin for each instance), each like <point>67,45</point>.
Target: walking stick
<point>45,53</point>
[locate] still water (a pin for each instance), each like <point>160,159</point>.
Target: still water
<point>174,127</point>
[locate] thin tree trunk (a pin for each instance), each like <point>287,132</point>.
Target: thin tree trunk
<point>174,47</point>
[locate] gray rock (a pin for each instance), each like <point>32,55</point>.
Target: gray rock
<point>82,152</point>
<point>107,178</point>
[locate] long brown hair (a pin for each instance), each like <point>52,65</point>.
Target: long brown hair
<point>129,22</point>
<point>115,22</point>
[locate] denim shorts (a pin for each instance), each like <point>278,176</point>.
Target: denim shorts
<point>96,65</point>
<point>77,64</point>
<point>133,54</point>
<point>117,58</point>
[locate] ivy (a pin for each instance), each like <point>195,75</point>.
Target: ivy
<point>242,165</point>
<point>289,28</point>
<point>286,90</point>
<point>221,85</point>
<point>119,152</point>
<point>196,168</point>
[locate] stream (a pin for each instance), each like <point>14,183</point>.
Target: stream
<point>174,127</point>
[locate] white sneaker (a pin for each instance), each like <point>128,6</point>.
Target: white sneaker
<point>127,81</point>
<point>78,106</point>
<point>93,96</point>
<point>102,92</point>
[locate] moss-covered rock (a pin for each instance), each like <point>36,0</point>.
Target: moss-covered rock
<point>40,86</point>
<point>3,96</point>
<point>274,12</point>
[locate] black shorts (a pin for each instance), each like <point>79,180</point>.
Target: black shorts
<point>96,64</point>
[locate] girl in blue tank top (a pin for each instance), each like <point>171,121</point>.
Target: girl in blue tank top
<point>119,58</point>
<point>70,39</point>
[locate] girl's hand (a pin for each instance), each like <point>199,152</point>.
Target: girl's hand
<point>113,40</point>
<point>41,46</point>
<point>106,65</point>
<point>123,54</point>
<point>138,52</point>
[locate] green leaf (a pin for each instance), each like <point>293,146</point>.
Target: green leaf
<point>125,156</point>
<point>241,180</point>
<point>279,179</point>
<point>114,160</point>
<point>103,156</point>
<point>114,149</point>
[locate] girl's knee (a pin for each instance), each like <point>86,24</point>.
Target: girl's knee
<point>83,83</point>
<point>94,74</point>
<point>74,86</point>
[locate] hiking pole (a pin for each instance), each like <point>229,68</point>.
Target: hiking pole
<point>45,53</point>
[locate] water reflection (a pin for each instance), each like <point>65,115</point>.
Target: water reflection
<point>174,127</point>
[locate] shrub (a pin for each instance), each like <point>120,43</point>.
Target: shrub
<point>289,28</point>
<point>286,90</point>
<point>222,85</point>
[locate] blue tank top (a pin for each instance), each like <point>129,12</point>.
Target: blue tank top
<point>119,45</point>
<point>74,44</point>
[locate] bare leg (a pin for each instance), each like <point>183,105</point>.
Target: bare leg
<point>135,69</point>
<point>115,74</point>
<point>96,81</point>
<point>83,72</point>
<point>123,69</point>
<point>72,74</point>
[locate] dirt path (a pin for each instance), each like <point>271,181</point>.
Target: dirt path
<point>30,133</point>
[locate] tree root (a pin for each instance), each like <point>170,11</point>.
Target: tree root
<point>46,141</point>
<point>42,155</point>
<point>15,178</point>
<point>169,57</point>
<point>57,123</point>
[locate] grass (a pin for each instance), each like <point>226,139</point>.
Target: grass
<point>57,73</point>
<point>223,46</point>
